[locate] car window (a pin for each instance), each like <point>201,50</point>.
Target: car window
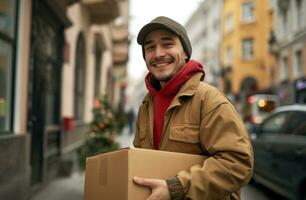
<point>274,123</point>
<point>297,123</point>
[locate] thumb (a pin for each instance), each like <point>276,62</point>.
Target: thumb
<point>143,181</point>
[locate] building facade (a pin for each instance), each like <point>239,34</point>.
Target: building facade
<point>289,46</point>
<point>247,64</point>
<point>204,30</point>
<point>56,58</point>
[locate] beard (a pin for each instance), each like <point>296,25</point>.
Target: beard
<point>177,64</point>
<point>165,79</point>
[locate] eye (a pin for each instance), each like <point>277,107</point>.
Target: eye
<point>168,44</point>
<point>149,47</point>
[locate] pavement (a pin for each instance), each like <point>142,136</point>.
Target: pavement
<point>72,187</point>
<point>68,188</point>
<point>125,139</point>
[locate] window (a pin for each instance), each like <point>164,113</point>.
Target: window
<point>216,25</point>
<point>98,55</point>
<point>285,23</point>
<point>298,63</point>
<point>229,23</point>
<point>8,17</point>
<point>247,49</point>
<point>297,124</point>
<point>248,12</point>
<point>299,14</point>
<point>284,69</point>
<point>275,123</point>
<point>229,56</point>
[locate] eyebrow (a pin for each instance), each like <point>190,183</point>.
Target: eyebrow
<point>164,38</point>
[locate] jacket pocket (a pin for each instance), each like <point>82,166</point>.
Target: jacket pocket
<point>185,133</point>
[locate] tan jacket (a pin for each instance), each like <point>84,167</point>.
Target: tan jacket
<point>201,120</point>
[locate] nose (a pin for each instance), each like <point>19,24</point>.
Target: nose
<point>159,51</point>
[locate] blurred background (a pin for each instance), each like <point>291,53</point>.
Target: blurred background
<point>71,80</point>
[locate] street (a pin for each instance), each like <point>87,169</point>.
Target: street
<point>258,192</point>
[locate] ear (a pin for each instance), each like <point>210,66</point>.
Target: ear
<point>186,57</point>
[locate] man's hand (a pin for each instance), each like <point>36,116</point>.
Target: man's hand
<point>158,187</point>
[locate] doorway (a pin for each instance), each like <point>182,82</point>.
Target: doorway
<point>44,90</point>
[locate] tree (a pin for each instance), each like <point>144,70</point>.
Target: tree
<point>103,129</point>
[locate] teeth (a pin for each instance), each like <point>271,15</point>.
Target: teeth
<point>161,64</point>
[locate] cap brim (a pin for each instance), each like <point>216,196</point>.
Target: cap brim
<point>151,27</point>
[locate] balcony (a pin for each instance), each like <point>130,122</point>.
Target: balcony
<point>121,41</point>
<point>120,53</point>
<point>101,11</point>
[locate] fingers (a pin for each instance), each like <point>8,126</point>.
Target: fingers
<point>159,189</point>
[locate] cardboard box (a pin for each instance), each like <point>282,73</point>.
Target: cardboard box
<point>109,176</point>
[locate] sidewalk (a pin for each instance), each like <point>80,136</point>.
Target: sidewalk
<point>125,139</point>
<point>72,188</point>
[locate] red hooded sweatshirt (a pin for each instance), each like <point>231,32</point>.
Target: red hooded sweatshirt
<point>162,97</point>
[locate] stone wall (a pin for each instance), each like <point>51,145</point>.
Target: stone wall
<point>15,172</point>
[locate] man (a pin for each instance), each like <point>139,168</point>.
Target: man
<point>181,113</point>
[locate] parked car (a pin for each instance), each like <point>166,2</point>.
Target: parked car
<point>279,144</point>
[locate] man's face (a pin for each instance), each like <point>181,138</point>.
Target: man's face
<point>164,54</point>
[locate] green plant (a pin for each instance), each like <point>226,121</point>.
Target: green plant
<point>103,130</point>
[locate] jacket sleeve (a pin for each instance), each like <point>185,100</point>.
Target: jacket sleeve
<point>136,141</point>
<point>230,163</point>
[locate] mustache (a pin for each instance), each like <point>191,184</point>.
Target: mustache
<point>161,59</point>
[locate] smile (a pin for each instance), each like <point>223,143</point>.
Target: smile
<point>161,64</point>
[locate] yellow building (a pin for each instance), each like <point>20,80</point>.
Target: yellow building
<point>247,64</point>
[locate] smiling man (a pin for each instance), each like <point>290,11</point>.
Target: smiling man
<point>164,55</point>
<point>181,113</point>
